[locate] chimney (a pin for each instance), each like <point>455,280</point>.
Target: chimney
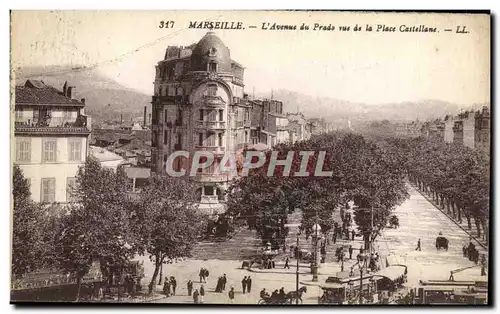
<point>65,88</point>
<point>121,118</point>
<point>144,121</point>
<point>70,92</point>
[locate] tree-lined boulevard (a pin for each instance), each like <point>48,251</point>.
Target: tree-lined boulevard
<point>373,180</point>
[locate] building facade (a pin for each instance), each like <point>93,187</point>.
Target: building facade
<point>197,106</point>
<point>51,134</point>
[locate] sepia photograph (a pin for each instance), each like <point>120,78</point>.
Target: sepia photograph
<point>285,158</point>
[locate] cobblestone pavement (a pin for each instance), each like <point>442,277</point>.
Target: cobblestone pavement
<point>418,219</point>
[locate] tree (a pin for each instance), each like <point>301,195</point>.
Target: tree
<point>95,225</point>
<point>27,234</point>
<point>165,220</point>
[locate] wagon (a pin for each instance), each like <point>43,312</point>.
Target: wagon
<point>441,243</point>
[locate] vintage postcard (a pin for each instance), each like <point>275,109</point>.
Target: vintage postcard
<point>250,157</point>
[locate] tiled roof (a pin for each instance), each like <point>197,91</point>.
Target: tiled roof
<point>35,92</point>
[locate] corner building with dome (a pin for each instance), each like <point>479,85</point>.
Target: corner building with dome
<point>198,105</point>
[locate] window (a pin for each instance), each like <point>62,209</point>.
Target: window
<point>179,117</point>
<point>212,66</point>
<point>49,150</point>
<point>211,139</point>
<point>23,150</point>
<point>221,115</point>
<point>166,116</point>
<point>48,190</point>
<point>200,139</point>
<point>70,189</point>
<point>220,139</point>
<point>209,190</point>
<point>165,137</point>
<point>66,114</point>
<point>212,116</point>
<point>75,149</point>
<point>179,139</point>
<point>212,90</point>
<point>19,114</point>
<point>201,114</point>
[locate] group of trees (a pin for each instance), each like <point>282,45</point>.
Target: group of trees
<point>104,224</point>
<point>457,177</point>
<point>364,173</point>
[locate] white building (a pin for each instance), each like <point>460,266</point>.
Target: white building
<point>51,134</point>
<point>108,160</point>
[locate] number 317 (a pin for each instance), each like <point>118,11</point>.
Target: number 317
<point>166,24</point>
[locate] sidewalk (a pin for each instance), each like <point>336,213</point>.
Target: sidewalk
<point>471,232</point>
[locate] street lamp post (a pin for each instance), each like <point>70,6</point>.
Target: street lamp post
<point>316,229</point>
<point>297,272</point>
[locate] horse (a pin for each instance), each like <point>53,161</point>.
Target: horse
<point>247,264</point>
<point>292,295</point>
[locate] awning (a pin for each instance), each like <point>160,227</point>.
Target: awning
<point>392,272</point>
<point>332,286</point>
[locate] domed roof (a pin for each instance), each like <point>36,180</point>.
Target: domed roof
<point>210,48</point>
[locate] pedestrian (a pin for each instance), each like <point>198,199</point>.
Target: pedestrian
<point>202,293</point>
<point>202,273</point>
<point>335,237</point>
<point>190,287</point>
<point>286,263</point>
<point>244,284</point>
<point>249,284</point>
<point>464,250</point>
<point>351,250</point>
<point>173,284</point>
<point>224,281</point>
<point>419,248</point>
<point>218,288</point>
<point>282,295</point>
<point>231,295</point>
<point>196,294</point>
<point>353,234</point>
<point>166,287</point>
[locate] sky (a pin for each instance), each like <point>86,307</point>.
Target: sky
<point>368,67</point>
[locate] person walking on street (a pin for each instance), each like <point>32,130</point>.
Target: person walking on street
<point>353,234</point>
<point>244,284</point>
<point>231,295</point>
<point>166,287</point>
<point>190,287</point>
<point>173,283</point>
<point>195,296</point>
<point>224,281</point>
<point>335,237</point>
<point>202,293</point>
<point>286,263</point>
<point>350,251</point>
<point>202,273</point>
<point>249,284</point>
<point>419,248</point>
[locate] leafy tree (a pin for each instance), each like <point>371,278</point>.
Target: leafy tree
<point>165,220</point>
<point>95,226</point>
<point>27,236</point>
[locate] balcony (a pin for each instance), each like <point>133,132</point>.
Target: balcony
<point>78,127</point>
<point>211,177</point>
<point>160,99</point>
<point>213,149</point>
<point>211,125</point>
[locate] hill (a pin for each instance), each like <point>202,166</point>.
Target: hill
<point>335,109</point>
<point>105,98</point>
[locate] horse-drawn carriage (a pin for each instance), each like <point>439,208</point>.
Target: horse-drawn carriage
<point>289,298</point>
<point>441,243</point>
<point>394,222</point>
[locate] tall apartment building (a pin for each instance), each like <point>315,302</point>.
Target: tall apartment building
<point>51,137</point>
<point>197,106</point>
<point>482,129</point>
<point>464,129</point>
